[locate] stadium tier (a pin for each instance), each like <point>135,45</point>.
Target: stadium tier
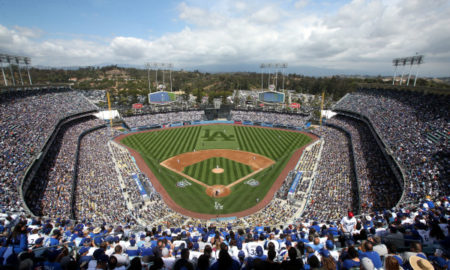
<point>74,193</point>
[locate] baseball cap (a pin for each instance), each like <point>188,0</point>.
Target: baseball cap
<point>83,250</point>
<point>241,254</point>
<point>288,243</point>
<point>329,245</point>
<point>259,251</point>
<point>325,253</point>
<point>39,241</point>
<point>350,214</point>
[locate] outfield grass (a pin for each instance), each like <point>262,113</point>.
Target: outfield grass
<point>203,171</point>
<point>156,146</point>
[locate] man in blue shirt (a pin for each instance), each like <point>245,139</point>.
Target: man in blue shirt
<point>367,251</point>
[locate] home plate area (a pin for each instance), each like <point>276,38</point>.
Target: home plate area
<point>217,169</point>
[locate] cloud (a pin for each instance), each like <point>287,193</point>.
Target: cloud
<point>301,4</point>
<point>361,36</point>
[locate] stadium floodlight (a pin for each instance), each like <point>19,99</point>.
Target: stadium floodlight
<point>3,60</point>
<point>403,62</point>
<point>262,67</point>
<point>18,58</point>
<point>170,66</point>
<point>27,62</point>
<point>283,67</point>
<point>411,63</point>
<point>148,65</point>
<point>9,58</point>
<point>395,62</point>
<point>419,61</point>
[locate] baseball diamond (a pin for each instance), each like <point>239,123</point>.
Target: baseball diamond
<point>191,153</point>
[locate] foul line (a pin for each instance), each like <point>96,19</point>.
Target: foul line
<point>205,185</point>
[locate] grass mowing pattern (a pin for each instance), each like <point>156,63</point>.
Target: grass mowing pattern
<point>232,171</point>
<point>157,146</point>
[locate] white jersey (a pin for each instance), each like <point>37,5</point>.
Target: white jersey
<point>251,248</point>
<point>348,224</point>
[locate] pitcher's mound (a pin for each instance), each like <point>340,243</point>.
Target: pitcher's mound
<point>218,191</point>
<point>217,170</point>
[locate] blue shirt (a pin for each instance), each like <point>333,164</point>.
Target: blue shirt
<point>373,256</point>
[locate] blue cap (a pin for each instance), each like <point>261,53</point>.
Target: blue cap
<point>132,242</point>
<point>39,241</point>
<point>329,244</point>
<point>259,251</point>
<point>288,243</point>
<point>325,253</point>
<point>98,241</point>
<point>241,254</point>
<point>83,250</point>
<point>142,236</point>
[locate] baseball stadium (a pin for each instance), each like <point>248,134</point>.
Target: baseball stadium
<point>219,162</point>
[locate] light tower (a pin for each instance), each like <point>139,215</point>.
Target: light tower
<point>419,61</point>
<point>262,67</point>
<point>403,62</point>
<point>9,58</point>
<point>148,65</point>
<point>3,60</point>
<point>27,61</point>
<point>18,66</point>
<point>411,63</point>
<point>395,62</point>
<point>283,67</point>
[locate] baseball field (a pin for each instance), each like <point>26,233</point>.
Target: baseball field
<point>214,170</point>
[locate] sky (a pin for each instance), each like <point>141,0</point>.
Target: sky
<point>313,37</point>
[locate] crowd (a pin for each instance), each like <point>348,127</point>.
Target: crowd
<point>27,119</point>
<point>99,195</point>
<point>52,184</point>
<point>296,120</point>
<point>378,187</point>
<point>406,121</point>
<point>412,237</point>
<point>150,209</point>
<point>156,119</point>
<point>334,183</point>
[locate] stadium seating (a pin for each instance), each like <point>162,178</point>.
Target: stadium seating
<point>415,128</point>
<point>116,224</point>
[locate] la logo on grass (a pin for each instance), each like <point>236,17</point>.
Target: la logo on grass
<point>216,135</point>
